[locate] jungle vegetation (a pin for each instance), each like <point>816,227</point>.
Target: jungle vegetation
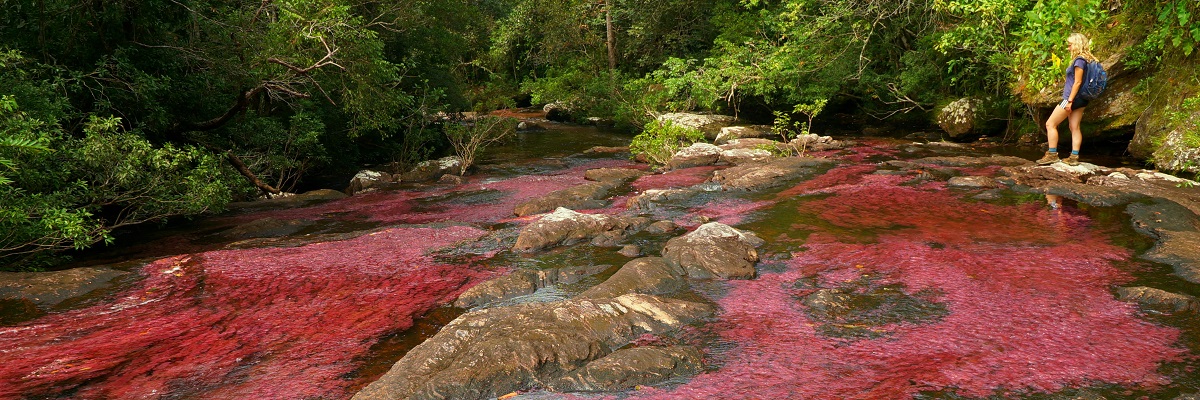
<point>125,113</point>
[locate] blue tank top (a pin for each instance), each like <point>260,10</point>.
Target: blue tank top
<point>1078,63</point>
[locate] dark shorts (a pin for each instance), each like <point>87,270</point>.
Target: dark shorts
<point>1079,103</point>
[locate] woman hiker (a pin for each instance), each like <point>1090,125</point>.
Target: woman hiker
<point>1071,107</point>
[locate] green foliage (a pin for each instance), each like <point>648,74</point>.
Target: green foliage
<point>661,139</point>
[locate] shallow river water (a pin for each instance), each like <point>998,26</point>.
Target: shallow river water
<point>954,293</point>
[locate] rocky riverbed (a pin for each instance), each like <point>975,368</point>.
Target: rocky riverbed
<point>863,268</point>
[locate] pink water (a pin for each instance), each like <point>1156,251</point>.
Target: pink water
<point>1028,291</point>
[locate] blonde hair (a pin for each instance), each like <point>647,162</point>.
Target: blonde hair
<point>1081,46</point>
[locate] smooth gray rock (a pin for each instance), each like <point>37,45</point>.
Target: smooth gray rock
<point>487,353</point>
<point>714,250</point>
<point>648,275</point>
<point>628,368</point>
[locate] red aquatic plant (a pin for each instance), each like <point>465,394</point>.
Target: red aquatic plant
<point>259,323</point>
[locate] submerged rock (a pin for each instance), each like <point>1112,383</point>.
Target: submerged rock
<point>1181,250</point>
<point>715,249</point>
<point>628,368</point>
<point>49,289</point>
<point>487,353</point>
<point>266,228</point>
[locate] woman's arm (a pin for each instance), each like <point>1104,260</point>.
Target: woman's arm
<point>1075,88</point>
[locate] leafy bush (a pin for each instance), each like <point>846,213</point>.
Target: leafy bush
<point>661,139</point>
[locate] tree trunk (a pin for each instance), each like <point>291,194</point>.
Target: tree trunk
<point>612,40</point>
<point>245,171</point>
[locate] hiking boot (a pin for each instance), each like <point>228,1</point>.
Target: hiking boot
<point>1073,160</point>
<point>1049,158</point>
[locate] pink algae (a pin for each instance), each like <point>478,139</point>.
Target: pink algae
<point>1027,292</point>
<point>259,323</point>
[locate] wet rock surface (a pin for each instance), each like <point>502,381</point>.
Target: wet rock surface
<point>1160,299</point>
<point>585,196</point>
<point>522,282</point>
<point>432,170</point>
<point>629,368</point>
<point>266,228</point>
<point>621,175</point>
<point>367,180</point>
<point>649,275</point>
<point>566,226</point>
<point>491,352</point>
<point>696,155</point>
<point>714,250</point>
<point>772,174</point>
<point>48,289</point>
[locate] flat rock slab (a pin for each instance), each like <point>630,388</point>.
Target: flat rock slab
<point>564,226</point>
<point>487,353</point>
<point>745,156</point>
<point>48,289</point>
<point>629,368</point>
<point>714,250</point>
<point>584,196</point>
<point>775,173</point>
<point>1099,196</point>
<point>977,162</point>
<point>1180,250</point>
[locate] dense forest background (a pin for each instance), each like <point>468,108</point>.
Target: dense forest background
<point>127,112</point>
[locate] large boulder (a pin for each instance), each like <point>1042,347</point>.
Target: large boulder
<point>751,144</point>
<point>487,353</point>
<point>742,132</point>
<point>583,196</point>
<point>564,226</point>
<point>696,155</point>
<point>745,156</point>
<point>627,369</point>
<point>368,180</point>
<point>778,172</point>
<point>1169,140</point>
<point>708,123</point>
<point>960,116</point>
<point>431,170</point>
<point>814,142</point>
<point>714,250</point>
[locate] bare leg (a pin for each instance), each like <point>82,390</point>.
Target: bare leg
<point>1076,133</point>
<point>1052,123</point>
